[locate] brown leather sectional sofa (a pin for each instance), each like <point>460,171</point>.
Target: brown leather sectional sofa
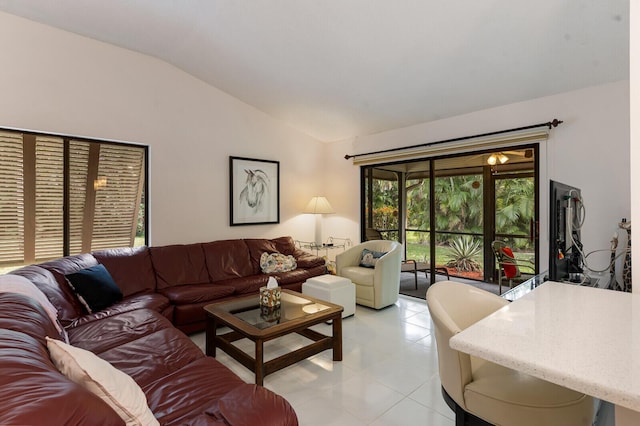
<point>164,290</point>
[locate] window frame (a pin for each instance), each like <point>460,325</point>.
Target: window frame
<point>28,205</point>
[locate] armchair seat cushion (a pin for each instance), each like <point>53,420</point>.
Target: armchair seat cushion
<point>495,390</point>
<point>359,274</point>
<point>376,287</point>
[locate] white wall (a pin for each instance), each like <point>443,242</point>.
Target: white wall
<point>55,81</point>
<point>589,150</point>
<point>634,158</point>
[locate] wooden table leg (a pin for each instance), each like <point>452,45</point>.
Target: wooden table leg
<point>259,365</point>
<point>210,337</point>
<point>337,337</point>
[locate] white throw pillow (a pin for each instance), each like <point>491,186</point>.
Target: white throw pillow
<point>18,284</point>
<point>116,388</point>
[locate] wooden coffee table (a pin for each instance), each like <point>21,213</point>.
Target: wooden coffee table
<point>296,314</point>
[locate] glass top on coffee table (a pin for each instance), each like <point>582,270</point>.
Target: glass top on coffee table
<point>291,307</point>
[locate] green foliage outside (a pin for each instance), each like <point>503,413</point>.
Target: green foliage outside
<point>385,205</point>
<point>458,209</point>
<point>515,207</point>
<point>464,251</point>
<point>420,253</point>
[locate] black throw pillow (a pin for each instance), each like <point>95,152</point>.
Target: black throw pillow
<point>95,288</point>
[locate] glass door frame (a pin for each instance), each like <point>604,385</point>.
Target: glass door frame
<point>489,207</point>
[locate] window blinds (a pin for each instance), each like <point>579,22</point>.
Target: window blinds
<point>105,184</point>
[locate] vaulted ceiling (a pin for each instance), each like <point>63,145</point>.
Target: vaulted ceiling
<point>340,68</point>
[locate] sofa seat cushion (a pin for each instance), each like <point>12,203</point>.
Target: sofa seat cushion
<point>246,285</point>
<point>179,264</point>
<point>241,405</point>
<point>113,386</point>
<point>146,300</point>
<point>207,392</point>
<point>193,313</point>
<point>116,330</point>
<point>196,293</point>
<point>308,260</point>
<point>177,352</point>
<point>190,391</point>
<point>131,268</point>
<point>33,390</point>
<point>358,275</point>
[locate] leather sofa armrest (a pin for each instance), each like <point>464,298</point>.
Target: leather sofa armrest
<point>307,260</point>
<point>252,404</point>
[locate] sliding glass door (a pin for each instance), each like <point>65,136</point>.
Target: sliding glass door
<point>448,210</point>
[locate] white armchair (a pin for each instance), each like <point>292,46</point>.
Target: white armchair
<point>376,287</point>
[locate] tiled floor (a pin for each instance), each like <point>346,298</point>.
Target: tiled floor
<point>388,375</point>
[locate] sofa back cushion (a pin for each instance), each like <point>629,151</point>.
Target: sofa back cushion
<point>256,248</point>
<point>25,314</point>
<point>285,245</point>
<point>64,266</point>
<point>131,268</point>
<point>60,296</point>
<point>10,283</point>
<point>179,264</point>
<point>227,259</point>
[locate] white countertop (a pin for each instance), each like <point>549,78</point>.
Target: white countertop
<point>583,338</point>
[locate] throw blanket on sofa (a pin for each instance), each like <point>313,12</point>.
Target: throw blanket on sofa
<point>277,262</point>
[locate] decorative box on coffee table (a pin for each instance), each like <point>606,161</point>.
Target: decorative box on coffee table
<point>334,289</point>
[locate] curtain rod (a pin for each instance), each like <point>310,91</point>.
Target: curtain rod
<point>549,124</point>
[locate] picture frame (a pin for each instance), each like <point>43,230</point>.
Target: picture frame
<point>254,191</point>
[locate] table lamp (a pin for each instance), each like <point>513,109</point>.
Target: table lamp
<point>318,206</point>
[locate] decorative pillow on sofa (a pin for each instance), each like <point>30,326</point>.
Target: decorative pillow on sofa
<point>95,288</point>
<point>113,386</point>
<point>370,257</point>
<point>277,262</point>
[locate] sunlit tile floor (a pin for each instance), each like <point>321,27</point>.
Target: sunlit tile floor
<point>388,375</point>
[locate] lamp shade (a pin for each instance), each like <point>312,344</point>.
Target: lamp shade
<point>318,205</point>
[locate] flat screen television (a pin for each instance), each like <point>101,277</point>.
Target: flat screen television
<point>565,248</point>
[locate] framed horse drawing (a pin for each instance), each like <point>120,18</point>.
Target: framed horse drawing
<point>254,191</point>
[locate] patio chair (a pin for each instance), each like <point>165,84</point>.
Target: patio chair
<point>508,265</point>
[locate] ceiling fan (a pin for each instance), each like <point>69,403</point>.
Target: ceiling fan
<point>501,157</point>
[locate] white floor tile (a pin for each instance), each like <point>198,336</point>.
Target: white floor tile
<point>409,413</point>
<point>388,375</point>
<point>430,395</point>
<point>363,397</point>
